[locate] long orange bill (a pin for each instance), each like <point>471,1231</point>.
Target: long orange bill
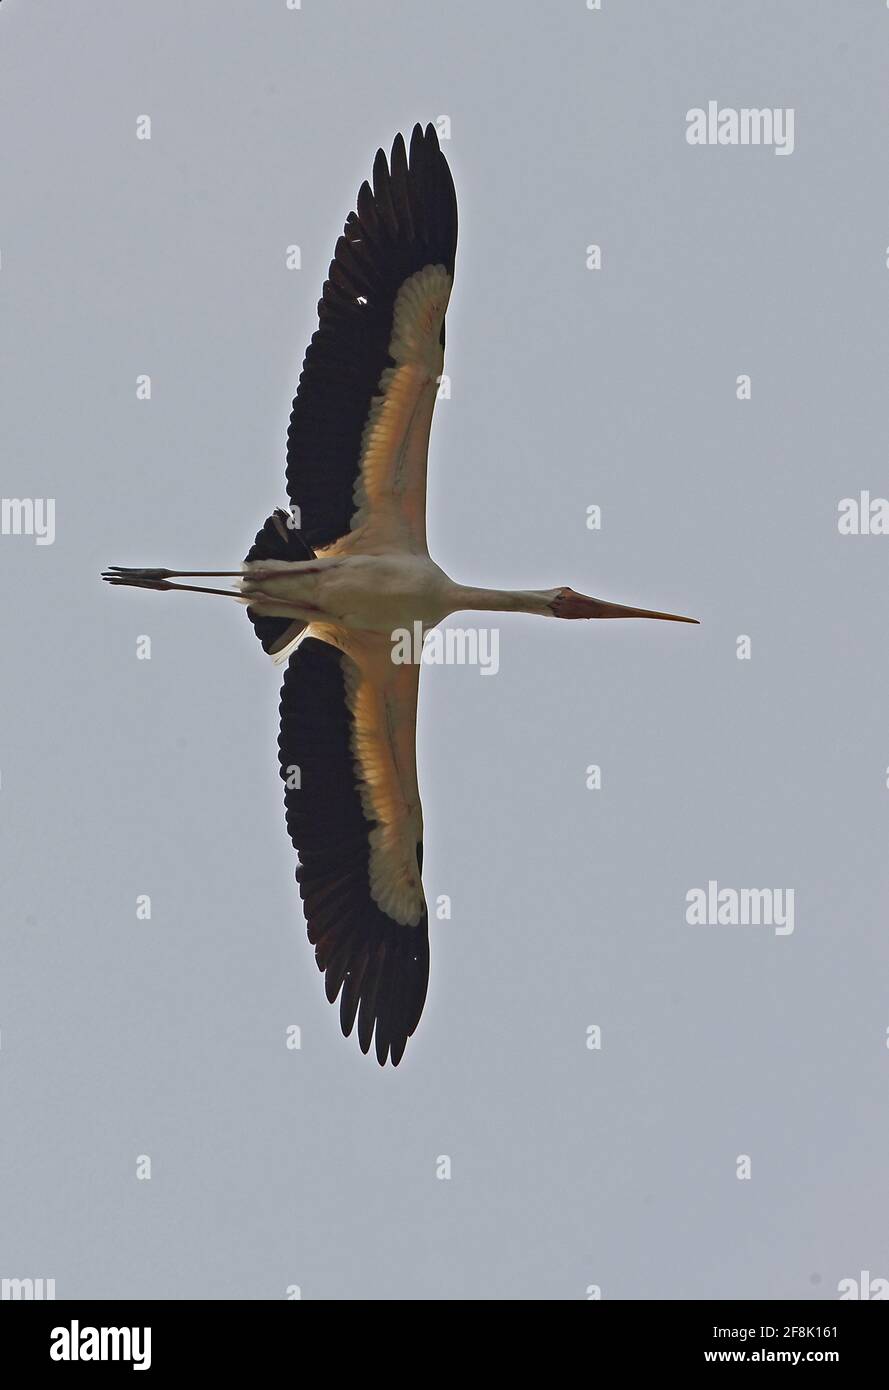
<point>572,605</point>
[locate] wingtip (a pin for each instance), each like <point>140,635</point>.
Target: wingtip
<point>380,168</point>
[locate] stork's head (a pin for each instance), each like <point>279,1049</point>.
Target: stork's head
<point>566,603</point>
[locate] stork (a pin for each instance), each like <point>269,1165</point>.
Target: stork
<point>329,581</point>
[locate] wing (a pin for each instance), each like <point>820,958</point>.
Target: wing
<point>359,431</point>
<point>347,750</point>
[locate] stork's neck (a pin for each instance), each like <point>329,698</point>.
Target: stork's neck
<point>503,600</point>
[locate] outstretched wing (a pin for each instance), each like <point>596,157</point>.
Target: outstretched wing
<point>347,749</point>
<point>359,431</point>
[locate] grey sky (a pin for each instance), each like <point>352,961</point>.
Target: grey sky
<point>118,777</point>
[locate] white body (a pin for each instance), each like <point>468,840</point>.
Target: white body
<point>372,593</point>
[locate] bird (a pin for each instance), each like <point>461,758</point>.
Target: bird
<point>328,581</point>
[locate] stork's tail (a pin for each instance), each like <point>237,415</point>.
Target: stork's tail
<point>277,539</point>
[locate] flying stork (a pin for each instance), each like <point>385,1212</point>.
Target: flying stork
<point>328,582</point>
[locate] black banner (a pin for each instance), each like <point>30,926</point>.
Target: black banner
<point>65,1338</point>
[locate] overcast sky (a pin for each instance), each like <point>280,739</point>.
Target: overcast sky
<point>726,1138</point>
